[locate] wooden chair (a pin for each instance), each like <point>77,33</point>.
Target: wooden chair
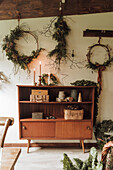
<point>5,122</point>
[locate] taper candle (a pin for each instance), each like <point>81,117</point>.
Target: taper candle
<point>34,76</point>
<point>48,78</point>
<point>40,67</point>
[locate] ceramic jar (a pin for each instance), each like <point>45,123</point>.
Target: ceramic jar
<point>74,94</point>
<point>61,95</point>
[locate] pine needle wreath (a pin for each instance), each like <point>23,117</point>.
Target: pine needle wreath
<point>61,31</point>
<point>96,66</point>
<point>9,46</point>
<point>52,77</point>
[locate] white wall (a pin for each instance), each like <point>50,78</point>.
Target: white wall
<point>76,41</point>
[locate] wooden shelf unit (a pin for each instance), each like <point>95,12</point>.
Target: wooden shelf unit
<point>58,128</point>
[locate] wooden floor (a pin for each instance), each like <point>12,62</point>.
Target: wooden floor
<point>46,158</point>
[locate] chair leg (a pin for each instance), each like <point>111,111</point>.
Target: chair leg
<point>28,145</point>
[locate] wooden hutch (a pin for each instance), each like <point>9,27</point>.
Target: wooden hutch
<point>58,128</point>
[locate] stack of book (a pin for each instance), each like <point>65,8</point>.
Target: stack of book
<point>39,96</point>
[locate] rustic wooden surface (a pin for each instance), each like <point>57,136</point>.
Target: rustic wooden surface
<point>98,33</point>
<point>9,158</point>
<point>43,8</point>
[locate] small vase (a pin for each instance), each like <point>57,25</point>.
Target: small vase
<point>79,97</point>
<point>61,95</point>
<point>74,94</point>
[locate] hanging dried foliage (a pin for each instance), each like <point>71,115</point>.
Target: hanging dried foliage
<point>61,30</point>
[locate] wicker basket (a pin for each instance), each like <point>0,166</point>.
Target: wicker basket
<point>73,114</point>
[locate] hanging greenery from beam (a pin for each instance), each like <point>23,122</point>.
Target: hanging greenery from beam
<point>61,30</point>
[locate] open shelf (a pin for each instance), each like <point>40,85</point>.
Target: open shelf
<point>29,102</point>
<point>46,120</point>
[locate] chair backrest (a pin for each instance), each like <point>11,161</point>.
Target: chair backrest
<point>5,122</point>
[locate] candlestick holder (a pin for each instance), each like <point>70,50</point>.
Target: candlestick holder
<point>35,84</point>
<point>39,81</point>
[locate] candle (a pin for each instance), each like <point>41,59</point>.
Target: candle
<point>40,67</point>
<point>34,76</point>
<point>63,1</point>
<point>48,78</point>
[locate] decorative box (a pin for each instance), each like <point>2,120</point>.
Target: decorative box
<point>37,115</point>
<point>73,114</point>
<point>32,98</point>
<point>39,98</point>
<point>40,92</point>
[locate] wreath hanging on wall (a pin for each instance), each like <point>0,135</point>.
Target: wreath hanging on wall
<point>9,46</point>
<point>53,79</point>
<point>96,65</point>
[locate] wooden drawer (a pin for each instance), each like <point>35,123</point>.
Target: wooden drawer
<point>38,129</point>
<point>73,130</point>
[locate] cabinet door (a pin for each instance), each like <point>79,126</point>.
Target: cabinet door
<point>86,130</point>
<point>38,129</point>
<point>73,130</point>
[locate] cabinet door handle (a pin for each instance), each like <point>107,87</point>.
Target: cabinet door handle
<point>88,128</point>
<point>23,127</point>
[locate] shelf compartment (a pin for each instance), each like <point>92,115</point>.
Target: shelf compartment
<point>53,91</point>
<point>55,109</point>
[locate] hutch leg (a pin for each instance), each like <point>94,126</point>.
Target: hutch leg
<point>82,142</point>
<point>28,145</point>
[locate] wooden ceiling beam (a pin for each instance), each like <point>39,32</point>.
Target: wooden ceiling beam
<point>98,33</point>
<point>47,8</point>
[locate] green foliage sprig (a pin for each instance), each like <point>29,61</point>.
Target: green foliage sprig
<point>61,31</point>
<point>91,163</point>
<point>90,83</point>
<point>101,129</point>
<point>52,77</point>
<point>9,46</point>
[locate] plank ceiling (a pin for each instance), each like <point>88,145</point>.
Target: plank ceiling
<point>44,8</point>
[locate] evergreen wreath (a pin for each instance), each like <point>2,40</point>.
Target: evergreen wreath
<point>90,83</point>
<point>96,66</point>
<point>9,46</point>
<point>52,77</point>
<point>61,31</point>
